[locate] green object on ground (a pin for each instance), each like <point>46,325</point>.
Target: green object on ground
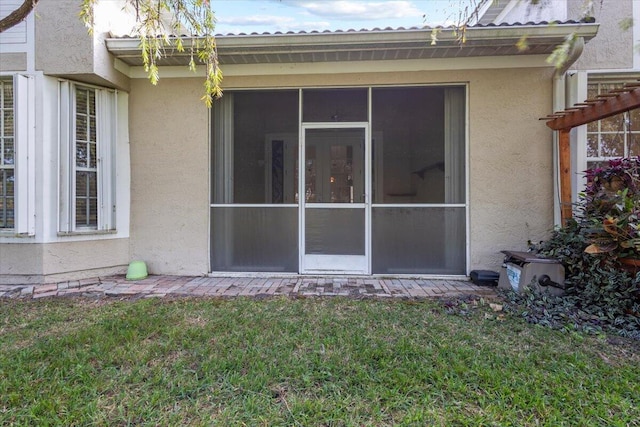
<point>137,270</point>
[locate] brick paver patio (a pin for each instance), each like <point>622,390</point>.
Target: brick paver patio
<point>160,286</point>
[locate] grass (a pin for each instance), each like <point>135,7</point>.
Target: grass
<point>303,362</point>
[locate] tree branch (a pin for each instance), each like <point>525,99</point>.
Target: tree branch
<point>18,15</point>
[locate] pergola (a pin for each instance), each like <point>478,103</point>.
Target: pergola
<point>602,106</point>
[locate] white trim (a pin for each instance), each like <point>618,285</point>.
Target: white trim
<point>577,92</point>
<point>467,168</point>
<point>25,153</point>
<point>622,74</point>
<point>340,40</point>
<point>252,205</point>
<point>106,128</point>
<point>65,161</point>
<point>284,275</point>
<point>106,111</point>
<point>27,47</point>
<point>419,205</point>
<point>636,34</point>
<point>340,264</point>
<point>341,67</point>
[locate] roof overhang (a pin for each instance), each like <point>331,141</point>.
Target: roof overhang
<point>370,45</point>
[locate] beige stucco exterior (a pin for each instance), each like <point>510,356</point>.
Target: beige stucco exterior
<point>510,160</point>
<point>50,262</point>
<point>613,47</point>
<point>169,176</point>
<point>83,57</point>
<point>13,61</point>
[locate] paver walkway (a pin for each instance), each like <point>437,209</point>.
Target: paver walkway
<point>160,286</point>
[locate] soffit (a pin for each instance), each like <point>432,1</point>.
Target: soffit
<point>370,45</point>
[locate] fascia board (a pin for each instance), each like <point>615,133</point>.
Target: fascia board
<point>446,36</point>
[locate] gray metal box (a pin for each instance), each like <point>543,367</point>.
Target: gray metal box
<point>524,269</point>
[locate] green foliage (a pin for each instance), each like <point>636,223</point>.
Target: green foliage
<point>160,25</point>
<point>598,287</point>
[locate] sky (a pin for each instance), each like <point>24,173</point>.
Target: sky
<point>248,16</point>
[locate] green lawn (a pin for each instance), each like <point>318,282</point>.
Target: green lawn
<point>304,362</point>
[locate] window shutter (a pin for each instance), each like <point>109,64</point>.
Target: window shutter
<point>65,161</point>
<point>106,127</point>
<point>24,102</point>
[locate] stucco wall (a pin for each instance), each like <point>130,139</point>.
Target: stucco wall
<point>82,56</point>
<point>41,263</point>
<point>169,176</point>
<point>510,171</point>
<point>510,150</point>
<point>12,61</point>
<point>612,48</point>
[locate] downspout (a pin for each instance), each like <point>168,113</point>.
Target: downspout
<point>559,104</point>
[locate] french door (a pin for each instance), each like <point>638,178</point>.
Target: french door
<point>334,185</point>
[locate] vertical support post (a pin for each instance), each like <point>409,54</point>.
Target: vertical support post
<point>564,151</point>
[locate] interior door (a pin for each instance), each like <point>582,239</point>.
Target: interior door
<point>335,213</point>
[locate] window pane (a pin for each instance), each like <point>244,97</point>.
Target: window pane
<point>7,155</point>
<point>81,154</point>
<point>93,212</point>
<point>7,212</point>
<point>334,165</point>
<point>7,95</point>
<point>81,212</point>
<point>86,194</point>
<point>92,129</point>
<point>255,155</point>
<point>8,152</point>
<point>81,127</point>
<point>612,124</point>
<point>334,105</point>
<point>611,145</point>
<point>634,144</point>
<point>7,122</point>
<point>592,145</point>
<point>81,184</point>
<point>634,119</point>
<point>418,241</point>
<point>10,183</point>
<point>335,231</point>
<point>92,184</point>
<point>254,239</point>
<point>412,141</point>
<point>92,102</point>
<point>86,199</point>
<point>92,156</point>
<point>81,101</point>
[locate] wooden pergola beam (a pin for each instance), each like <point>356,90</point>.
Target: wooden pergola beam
<point>608,106</point>
<point>605,105</point>
<point>564,157</point>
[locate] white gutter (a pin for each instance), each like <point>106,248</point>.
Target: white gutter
<point>559,104</point>
<point>491,34</point>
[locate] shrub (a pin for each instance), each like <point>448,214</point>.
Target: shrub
<point>600,293</point>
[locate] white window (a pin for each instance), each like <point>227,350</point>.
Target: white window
<point>87,156</point>
<point>17,155</point>
<point>614,137</point>
<point>7,156</point>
